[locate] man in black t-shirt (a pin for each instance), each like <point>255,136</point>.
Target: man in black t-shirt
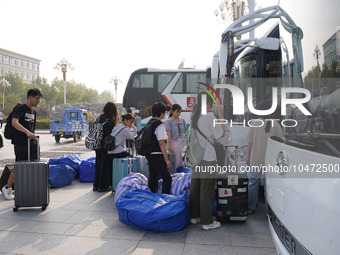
<point>23,120</point>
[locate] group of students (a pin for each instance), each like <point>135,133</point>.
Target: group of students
<point>202,184</point>
<point>158,159</point>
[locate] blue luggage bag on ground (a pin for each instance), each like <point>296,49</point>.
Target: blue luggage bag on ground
<point>150,212</point>
<point>87,170</point>
<point>121,168</point>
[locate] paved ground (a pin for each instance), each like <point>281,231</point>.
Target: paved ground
<point>80,221</point>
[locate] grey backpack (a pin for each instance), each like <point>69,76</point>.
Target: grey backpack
<point>193,151</point>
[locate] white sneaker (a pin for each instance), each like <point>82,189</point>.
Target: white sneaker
<point>195,220</point>
<point>7,193</point>
<point>213,225</point>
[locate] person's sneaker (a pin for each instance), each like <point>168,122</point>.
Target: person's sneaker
<point>213,225</point>
<point>195,220</point>
<point>7,193</point>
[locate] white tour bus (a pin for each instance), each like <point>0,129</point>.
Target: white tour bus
<point>303,189</point>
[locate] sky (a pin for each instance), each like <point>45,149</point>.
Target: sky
<point>107,38</point>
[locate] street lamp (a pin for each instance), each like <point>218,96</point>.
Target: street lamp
<point>115,80</point>
<point>62,65</point>
<point>317,54</point>
<point>233,10</point>
<point>5,84</point>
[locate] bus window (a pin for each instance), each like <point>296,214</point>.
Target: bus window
<point>163,80</point>
<point>179,88</point>
<point>191,81</point>
<point>273,68</point>
<point>143,81</point>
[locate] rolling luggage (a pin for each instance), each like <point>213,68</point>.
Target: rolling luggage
<point>232,195</point>
<point>121,168</point>
<point>31,182</point>
<point>143,165</point>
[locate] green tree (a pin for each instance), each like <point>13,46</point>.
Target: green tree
<point>106,96</point>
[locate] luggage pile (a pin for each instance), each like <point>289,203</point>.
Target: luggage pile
<point>150,212</point>
<point>65,169</point>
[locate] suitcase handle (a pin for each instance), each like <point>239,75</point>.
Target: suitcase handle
<point>236,153</point>
<point>29,148</point>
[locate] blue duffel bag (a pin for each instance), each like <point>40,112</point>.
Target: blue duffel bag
<point>87,170</point>
<point>150,212</point>
<point>72,160</point>
<point>61,175</point>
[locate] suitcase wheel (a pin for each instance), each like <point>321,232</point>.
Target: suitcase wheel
<point>43,208</point>
<point>15,209</point>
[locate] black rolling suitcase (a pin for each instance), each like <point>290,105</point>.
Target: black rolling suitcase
<point>232,195</point>
<point>31,180</point>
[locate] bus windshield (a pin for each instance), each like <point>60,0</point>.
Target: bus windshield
<point>326,112</point>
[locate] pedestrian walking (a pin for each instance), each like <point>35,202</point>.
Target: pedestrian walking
<point>24,122</point>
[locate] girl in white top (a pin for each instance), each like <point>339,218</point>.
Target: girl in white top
<point>203,183</point>
<point>122,133</point>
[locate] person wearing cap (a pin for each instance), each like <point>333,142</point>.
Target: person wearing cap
<point>138,120</point>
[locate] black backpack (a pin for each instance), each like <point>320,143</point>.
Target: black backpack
<point>146,139</point>
<point>9,129</point>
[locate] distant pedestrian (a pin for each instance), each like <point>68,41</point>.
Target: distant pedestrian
<point>138,120</point>
<point>167,112</point>
<point>175,127</point>
<point>1,119</point>
<point>96,115</point>
<point>89,115</point>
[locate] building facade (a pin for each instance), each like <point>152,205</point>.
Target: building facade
<point>331,49</point>
<point>26,67</point>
